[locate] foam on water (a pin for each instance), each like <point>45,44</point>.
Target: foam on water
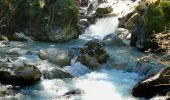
<point>99,85</point>
<point>101,28</point>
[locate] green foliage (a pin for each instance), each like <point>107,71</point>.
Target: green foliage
<point>157,17</point>
<point>166,9</point>
<point>67,12</point>
<point>154,20</point>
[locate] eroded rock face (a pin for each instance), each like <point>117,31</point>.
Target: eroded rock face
<point>59,57</point>
<point>156,84</point>
<point>20,76</point>
<point>93,54</point>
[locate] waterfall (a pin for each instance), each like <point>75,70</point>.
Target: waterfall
<point>101,28</point>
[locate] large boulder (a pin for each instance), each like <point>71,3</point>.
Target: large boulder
<point>20,76</point>
<point>104,9</point>
<point>155,84</point>
<point>93,54</point>
<point>59,57</point>
<point>112,39</point>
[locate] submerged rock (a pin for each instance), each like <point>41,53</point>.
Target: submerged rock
<point>73,93</point>
<point>112,39</point>
<point>156,84</point>
<point>59,57</point>
<point>20,76</point>
<point>93,54</point>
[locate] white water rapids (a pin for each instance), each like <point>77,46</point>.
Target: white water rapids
<point>104,84</point>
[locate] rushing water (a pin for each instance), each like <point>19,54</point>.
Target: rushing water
<point>105,83</point>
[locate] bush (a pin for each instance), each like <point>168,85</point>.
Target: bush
<point>67,12</point>
<point>166,9</point>
<point>154,20</point>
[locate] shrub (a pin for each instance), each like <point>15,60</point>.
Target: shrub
<point>166,9</point>
<point>154,20</point>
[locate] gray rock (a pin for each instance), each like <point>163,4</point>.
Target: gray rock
<point>59,57</point>
<point>153,85</point>
<point>112,39</point>
<point>57,73</point>
<point>93,54</point>
<point>21,75</point>
<point>104,9</point>
<point>123,33</point>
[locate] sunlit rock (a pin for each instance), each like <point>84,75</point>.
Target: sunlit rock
<point>123,33</point>
<point>42,55</point>
<point>104,9</point>
<point>59,57</point>
<point>132,21</point>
